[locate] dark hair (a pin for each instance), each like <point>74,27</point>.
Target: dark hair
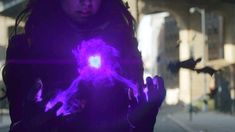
<point>37,10</point>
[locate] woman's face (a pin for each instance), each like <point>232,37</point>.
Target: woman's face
<point>80,10</point>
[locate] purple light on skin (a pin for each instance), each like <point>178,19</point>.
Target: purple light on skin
<point>129,83</point>
<point>97,63</point>
<point>64,97</point>
<point>146,93</point>
<point>39,96</point>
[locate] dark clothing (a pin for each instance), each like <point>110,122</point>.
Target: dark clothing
<point>45,53</point>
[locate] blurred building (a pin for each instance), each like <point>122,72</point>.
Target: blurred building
<point>168,51</point>
<point>171,52</point>
<point>216,46</point>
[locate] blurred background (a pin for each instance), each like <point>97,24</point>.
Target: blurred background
<point>172,35</point>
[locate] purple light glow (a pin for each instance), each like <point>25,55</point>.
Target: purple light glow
<point>98,64</point>
<point>95,61</point>
<point>64,97</point>
<point>146,94</point>
<point>38,97</point>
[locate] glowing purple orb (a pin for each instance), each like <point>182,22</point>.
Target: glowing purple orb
<point>95,61</point>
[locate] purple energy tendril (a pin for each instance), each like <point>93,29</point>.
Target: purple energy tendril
<point>38,97</point>
<point>146,93</point>
<point>97,61</point>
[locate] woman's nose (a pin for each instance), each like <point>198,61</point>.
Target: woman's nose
<point>86,3</point>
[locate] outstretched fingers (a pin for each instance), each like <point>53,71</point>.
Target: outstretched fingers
<point>45,117</point>
<point>35,93</point>
<point>160,88</point>
<point>150,84</point>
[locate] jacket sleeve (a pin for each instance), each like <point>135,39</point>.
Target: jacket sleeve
<point>17,75</point>
<point>132,60</point>
<point>138,63</point>
<point>142,114</point>
<point>143,117</point>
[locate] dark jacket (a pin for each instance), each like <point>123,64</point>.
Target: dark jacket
<point>45,54</point>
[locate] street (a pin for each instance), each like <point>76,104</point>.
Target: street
<point>4,129</point>
<point>4,122</point>
<point>166,124</point>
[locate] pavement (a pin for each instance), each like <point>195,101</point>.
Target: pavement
<point>4,122</point>
<point>204,121</point>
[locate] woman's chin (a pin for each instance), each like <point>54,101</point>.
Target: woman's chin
<point>81,20</point>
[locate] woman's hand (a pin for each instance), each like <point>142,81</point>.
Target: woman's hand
<point>154,91</point>
<point>34,117</point>
<point>145,107</point>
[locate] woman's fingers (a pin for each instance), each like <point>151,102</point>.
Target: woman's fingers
<point>155,89</point>
<point>130,94</point>
<point>160,88</point>
<point>54,109</point>
<point>150,84</point>
<point>35,93</point>
<point>132,97</point>
<point>158,82</point>
<point>44,117</point>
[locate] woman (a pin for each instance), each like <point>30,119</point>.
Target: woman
<point>49,86</point>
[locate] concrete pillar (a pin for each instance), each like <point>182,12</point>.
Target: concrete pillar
<point>191,83</point>
<point>133,7</point>
<point>5,22</point>
<point>229,34</point>
<point>3,31</point>
<point>184,53</point>
<point>136,7</point>
<point>229,45</point>
<point>3,40</point>
<point>199,50</point>
<point>184,74</point>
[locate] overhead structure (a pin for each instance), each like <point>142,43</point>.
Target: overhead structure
<point>11,8</point>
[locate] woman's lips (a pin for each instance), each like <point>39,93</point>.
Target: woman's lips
<point>84,14</point>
